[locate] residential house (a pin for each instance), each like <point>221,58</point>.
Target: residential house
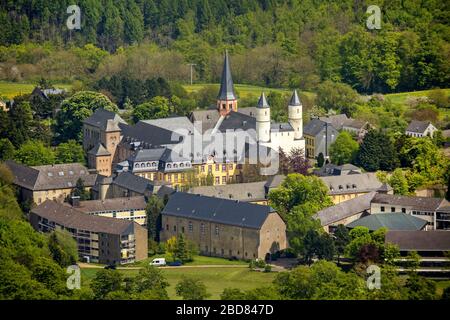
<point>49,182</point>
<point>224,228</point>
<point>319,135</point>
<point>420,129</point>
<point>99,239</point>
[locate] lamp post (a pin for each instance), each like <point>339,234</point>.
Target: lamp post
<point>192,71</point>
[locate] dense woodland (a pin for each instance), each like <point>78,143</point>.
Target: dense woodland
<point>276,43</point>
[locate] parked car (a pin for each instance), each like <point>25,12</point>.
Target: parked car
<point>176,263</point>
<point>110,267</point>
<point>158,262</point>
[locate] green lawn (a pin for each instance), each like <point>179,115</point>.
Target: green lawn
<point>400,98</point>
<point>244,90</point>
<point>198,261</point>
<point>441,285</point>
<point>215,279</point>
<point>12,89</point>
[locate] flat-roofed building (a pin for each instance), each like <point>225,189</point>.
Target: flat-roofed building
<point>99,239</point>
<point>224,228</point>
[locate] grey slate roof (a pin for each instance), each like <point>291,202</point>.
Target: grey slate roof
<point>49,177</point>
<point>418,126</point>
<point>295,100</point>
<point>99,150</point>
<point>314,127</point>
<point>172,124</point>
<point>249,111</point>
<point>345,209</point>
<point>217,210</point>
<point>356,124</point>
<point>149,134</point>
<point>226,91</point>
<point>114,204</point>
<point>67,216</point>
<point>436,240</point>
<point>352,183</point>
<point>236,120</point>
<point>262,102</point>
<point>105,120</point>
<point>337,120</point>
<point>391,221</point>
<point>132,182</point>
<point>208,118</point>
<point>247,192</point>
<point>281,127</point>
<point>147,155</point>
<point>418,203</point>
<point>274,181</point>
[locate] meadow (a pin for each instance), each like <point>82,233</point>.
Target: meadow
<point>216,279</point>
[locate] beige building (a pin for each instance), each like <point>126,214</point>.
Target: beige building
<point>99,239</point>
<point>349,186</point>
<point>132,209</point>
<point>224,228</point>
<point>50,182</point>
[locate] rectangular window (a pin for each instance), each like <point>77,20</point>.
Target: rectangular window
<point>191,227</point>
<point>202,228</point>
<point>216,230</point>
<point>224,167</point>
<point>217,167</point>
<point>403,210</point>
<point>224,180</point>
<point>217,180</point>
<point>210,168</point>
<point>392,209</point>
<point>382,209</point>
<point>203,168</point>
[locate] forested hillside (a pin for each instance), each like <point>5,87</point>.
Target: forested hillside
<point>279,43</point>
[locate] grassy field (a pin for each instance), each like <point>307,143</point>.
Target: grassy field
<point>215,279</point>
<point>400,98</point>
<point>12,89</point>
<point>198,261</point>
<point>243,90</point>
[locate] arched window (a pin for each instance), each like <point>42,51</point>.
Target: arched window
<point>136,165</point>
<point>153,164</point>
<point>169,166</point>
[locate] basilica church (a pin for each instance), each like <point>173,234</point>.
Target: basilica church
<point>227,116</point>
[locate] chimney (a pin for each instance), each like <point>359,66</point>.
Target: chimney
<point>75,201</point>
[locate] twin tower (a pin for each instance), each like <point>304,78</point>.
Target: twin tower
<point>265,129</point>
<point>276,135</point>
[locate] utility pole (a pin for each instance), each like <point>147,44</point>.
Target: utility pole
<point>192,71</point>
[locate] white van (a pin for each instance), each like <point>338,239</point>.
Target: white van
<point>158,262</point>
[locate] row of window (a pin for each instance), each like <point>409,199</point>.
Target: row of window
<point>191,228</point>
<point>393,209</point>
<point>217,167</point>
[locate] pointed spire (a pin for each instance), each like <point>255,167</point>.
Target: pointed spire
<point>262,102</point>
<point>226,86</point>
<point>295,100</point>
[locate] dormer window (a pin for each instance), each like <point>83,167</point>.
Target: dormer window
<point>341,187</point>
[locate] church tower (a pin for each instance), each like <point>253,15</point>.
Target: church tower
<point>263,119</point>
<point>226,100</point>
<point>295,115</point>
